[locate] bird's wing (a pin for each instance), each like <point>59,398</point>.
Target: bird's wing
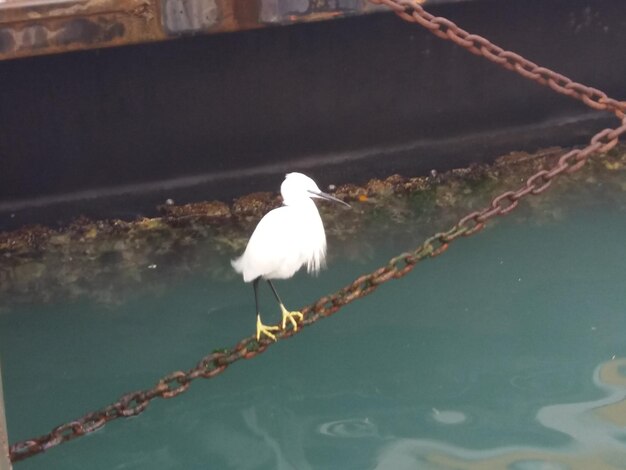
<point>274,244</point>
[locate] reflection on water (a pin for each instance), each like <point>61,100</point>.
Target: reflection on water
<point>349,428</point>
<point>448,416</point>
<point>496,355</point>
<point>595,429</point>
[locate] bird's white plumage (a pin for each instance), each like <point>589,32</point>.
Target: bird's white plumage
<point>288,237</point>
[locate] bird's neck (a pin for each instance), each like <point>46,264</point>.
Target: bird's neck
<point>305,202</point>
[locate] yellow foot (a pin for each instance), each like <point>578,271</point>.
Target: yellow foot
<point>287,315</point>
<point>262,329</point>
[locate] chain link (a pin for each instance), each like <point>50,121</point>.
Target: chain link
<point>134,403</point>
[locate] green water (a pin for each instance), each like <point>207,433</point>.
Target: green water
<point>505,352</point>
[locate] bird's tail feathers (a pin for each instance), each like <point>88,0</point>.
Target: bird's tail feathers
<point>317,262</point>
<point>237,264</point>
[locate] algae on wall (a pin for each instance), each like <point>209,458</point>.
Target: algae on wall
<point>106,260</point>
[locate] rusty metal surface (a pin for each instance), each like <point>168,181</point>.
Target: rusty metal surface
<point>5,462</point>
<point>36,27</point>
<point>28,29</point>
<point>175,383</point>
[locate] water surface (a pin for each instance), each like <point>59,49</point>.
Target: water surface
<point>508,351</point>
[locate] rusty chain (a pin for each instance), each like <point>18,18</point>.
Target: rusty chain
<point>134,403</point>
<point>413,12</point>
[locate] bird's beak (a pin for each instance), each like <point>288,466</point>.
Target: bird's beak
<point>328,197</point>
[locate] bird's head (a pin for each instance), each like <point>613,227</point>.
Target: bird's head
<point>298,187</point>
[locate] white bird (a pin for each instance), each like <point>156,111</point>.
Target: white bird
<point>286,239</point>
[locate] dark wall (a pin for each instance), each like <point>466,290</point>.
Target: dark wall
<point>204,105</point>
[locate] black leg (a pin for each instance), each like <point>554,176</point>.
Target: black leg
<point>261,329</point>
<point>255,285</point>
<point>274,291</point>
<point>286,314</point>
